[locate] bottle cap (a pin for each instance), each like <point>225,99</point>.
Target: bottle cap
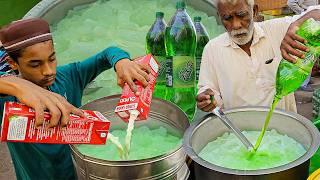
<point>159,14</point>
<point>181,5</point>
<point>197,19</point>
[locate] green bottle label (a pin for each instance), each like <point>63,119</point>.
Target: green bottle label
<point>183,71</point>
<point>198,61</point>
<point>162,69</point>
<point>169,72</point>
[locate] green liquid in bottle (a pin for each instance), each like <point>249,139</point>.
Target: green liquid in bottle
<point>156,46</point>
<point>290,76</point>
<point>202,40</point>
<point>180,40</point>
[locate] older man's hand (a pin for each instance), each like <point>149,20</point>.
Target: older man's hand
<point>204,101</point>
<point>293,44</point>
<point>128,71</point>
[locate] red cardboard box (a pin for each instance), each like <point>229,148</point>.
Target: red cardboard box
<point>18,125</point>
<point>129,101</point>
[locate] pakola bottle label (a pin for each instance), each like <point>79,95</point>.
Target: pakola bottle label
<point>198,61</point>
<point>169,72</point>
<point>162,70</point>
<point>183,71</point>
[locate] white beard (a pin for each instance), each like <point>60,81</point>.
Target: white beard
<point>245,38</point>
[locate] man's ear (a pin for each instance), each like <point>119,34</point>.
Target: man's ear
<point>13,64</point>
<point>256,16</point>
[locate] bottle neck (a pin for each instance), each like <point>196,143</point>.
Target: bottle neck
<point>181,9</point>
<point>159,18</point>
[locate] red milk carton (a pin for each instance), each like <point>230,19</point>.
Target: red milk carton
<point>18,125</point>
<point>129,101</point>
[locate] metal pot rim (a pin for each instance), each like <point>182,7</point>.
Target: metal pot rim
<point>307,123</point>
<point>126,162</point>
<point>168,154</point>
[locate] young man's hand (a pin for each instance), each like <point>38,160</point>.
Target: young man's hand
<point>40,100</point>
<point>128,71</point>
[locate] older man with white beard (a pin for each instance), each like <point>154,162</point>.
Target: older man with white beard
<point>239,67</point>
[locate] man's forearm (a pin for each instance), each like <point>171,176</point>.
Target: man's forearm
<point>9,85</point>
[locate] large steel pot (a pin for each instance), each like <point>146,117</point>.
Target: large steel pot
<point>54,10</point>
<point>208,128</point>
<point>168,166</point>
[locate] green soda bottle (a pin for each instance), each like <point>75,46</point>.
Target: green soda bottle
<point>202,40</point>
<point>290,76</point>
<point>156,46</point>
<point>180,40</point>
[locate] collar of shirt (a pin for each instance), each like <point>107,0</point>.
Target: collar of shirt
<point>257,35</point>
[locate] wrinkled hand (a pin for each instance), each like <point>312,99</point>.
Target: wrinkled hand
<point>41,99</point>
<point>293,44</point>
<point>204,102</point>
<point>128,71</point>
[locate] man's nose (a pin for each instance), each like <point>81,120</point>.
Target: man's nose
<point>236,24</point>
<point>47,70</point>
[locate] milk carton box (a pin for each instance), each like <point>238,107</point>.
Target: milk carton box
<point>18,125</point>
<point>130,101</point>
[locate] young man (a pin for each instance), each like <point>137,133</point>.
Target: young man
<point>239,67</point>
<point>42,85</point>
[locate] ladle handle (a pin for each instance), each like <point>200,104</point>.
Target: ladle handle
<point>232,127</point>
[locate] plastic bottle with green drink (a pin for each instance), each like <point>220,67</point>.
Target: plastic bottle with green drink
<point>156,46</point>
<point>290,76</point>
<point>202,40</point>
<point>180,40</point>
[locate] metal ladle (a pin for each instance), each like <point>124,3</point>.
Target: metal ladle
<point>218,112</point>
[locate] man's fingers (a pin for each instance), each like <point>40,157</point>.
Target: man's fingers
<point>202,97</point>
<point>65,113</point>
<point>55,114</point>
<point>298,38</point>
<point>204,104</point>
<point>120,82</point>
<point>294,52</point>
<point>295,44</point>
<point>132,85</point>
<point>141,79</point>
<point>286,56</point>
<point>39,109</point>
<point>77,112</point>
<point>145,67</point>
<point>299,46</point>
<point>144,74</point>
<point>209,107</point>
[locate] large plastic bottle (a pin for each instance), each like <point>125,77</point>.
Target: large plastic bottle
<point>156,46</point>
<point>180,43</point>
<point>202,40</point>
<point>290,76</point>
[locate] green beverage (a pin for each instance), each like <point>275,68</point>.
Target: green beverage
<point>145,143</point>
<point>156,46</point>
<point>290,76</point>
<point>228,151</point>
<point>202,40</point>
<point>180,41</point>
